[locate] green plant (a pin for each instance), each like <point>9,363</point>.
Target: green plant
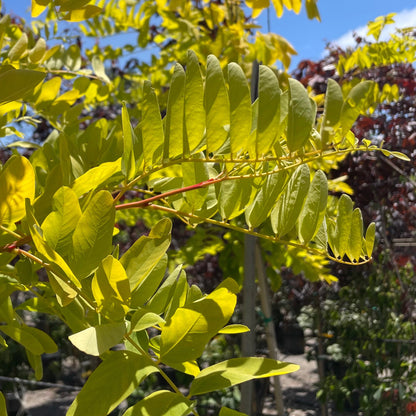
<point>370,333</point>
<point>215,158</point>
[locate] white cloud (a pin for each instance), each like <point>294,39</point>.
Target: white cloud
<point>405,18</point>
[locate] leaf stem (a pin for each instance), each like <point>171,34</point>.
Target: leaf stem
<point>145,202</point>
<point>307,158</point>
<point>6,230</point>
<point>163,374</point>
<point>254,233</point>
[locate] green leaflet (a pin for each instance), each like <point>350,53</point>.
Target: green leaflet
<point>332,111</point>
<point>24,337</point>
<point>321,237</point>
<point>35,341</point>
<point>313,211</point>
<point>210,206</point>
<point>194,105</point>
<point>343,225</point>
<point>240,109</point>
<point>231,285</point>
<point>312,10</point>
<point>60,224</point>
<point>72,58</point>
<point>111,289</point>
<point>99,69</point>
<point>7,313</point>
<point>9,284</point>
<point>148,286</point>
<point>398,155</point>
<point>17,182</point>
<point>268,118</point>
<point>353,104</point>
<point>152,128</point>
<point>331,236</point>
<point>48,92</point>
<point>370,236</point>
<point>195,173</point>
<point>61,276</point>
<point>95,136</point>
<point>178,296</point>
<point>143,319</point>
<point>140,338</point>
<point>16,84</point>
<point>128,162</point>
<point>237,370</point>
<point>65,160</point>
<point>174,120</point>
<point>161,403</point>
<point>98,339</point>
<point>74,315</point>
<point>194,293</point>
<point>217,107</point>
<point>43,204</point>
<point>142,257</point>
<point>92,238</point>
<point>233,197</point>
<point>3,410</point>
<point>19,48</point>
<point>72,5</point>
<point>35,362</point>
<point>115,379</point>
<point>161,298</point>
<point>301,116</point>
<point>356,236</point>
<point>289,205</point>
<point>190,328</point>
<point>83,13</point>
<point>43,338</point>
<point>234,329</point>
<point>260,209</point>
<point>96,177</point>
<point>39,305</point>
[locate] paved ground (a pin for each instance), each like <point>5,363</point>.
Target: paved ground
<point>299,390</point>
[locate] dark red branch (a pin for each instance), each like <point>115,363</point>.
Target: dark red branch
<point>145,202</point>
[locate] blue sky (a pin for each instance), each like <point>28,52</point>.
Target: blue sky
<point>338,20</point>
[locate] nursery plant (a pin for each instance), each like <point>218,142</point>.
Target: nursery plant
<point>366,327</point>
<point>370,330</point>
<point>214,157</point>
